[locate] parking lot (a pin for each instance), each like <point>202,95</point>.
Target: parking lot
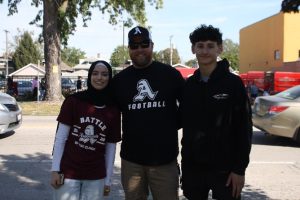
<point>25,159</point>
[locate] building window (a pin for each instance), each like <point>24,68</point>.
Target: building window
<point>298,53</point>
<point>276,54</point>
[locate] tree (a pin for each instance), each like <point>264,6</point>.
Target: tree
<point>119,56</point>
<point>71,55</point>
<point>192,63</point>
<point>165,56</point>
<point>39,44</point>
<point>231,53</point>
<point>26,52</point>
<point>290,6</point>
<point>59,21</point>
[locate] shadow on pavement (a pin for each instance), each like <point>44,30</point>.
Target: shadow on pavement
<point>25,178</point>
<point>250,193</point>
<point>28,178</point>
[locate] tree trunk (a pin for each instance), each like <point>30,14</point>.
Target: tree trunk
<point>52,51</point>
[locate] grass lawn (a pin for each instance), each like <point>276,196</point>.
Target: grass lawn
<point>41,108</point>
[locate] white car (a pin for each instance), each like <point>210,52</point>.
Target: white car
<point>10,113</point>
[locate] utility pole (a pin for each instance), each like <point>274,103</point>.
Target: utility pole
<point>6,53</point>
<point>123,45</point>
<point>171,49</point>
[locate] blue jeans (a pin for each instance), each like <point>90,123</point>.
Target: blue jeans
<point>80,190</point>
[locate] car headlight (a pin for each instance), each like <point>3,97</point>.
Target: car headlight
<point>3,108</point>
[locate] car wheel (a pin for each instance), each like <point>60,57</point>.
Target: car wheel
<point>297,135</point>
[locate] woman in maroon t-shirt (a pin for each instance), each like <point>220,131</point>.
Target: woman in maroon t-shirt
<point>86,137</point>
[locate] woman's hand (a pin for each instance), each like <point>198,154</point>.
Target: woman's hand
<point>56,181</point>
<point>106,190</point>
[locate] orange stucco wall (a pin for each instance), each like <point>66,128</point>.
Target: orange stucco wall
<point>259,41</point>
<point>291,38</point>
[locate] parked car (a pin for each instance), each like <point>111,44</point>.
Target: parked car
<point>10,113</point>
<point>24,87</point>
<point>279,114</point>
<point>68,85</point>
<point>2,85</point>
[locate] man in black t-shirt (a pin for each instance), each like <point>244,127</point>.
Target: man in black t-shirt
<point>147,93</point>
<point>79,84</point>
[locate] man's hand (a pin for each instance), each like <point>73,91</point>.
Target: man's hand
<point>237,182</point>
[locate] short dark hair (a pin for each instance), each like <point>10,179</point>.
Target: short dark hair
<point>204,33</point>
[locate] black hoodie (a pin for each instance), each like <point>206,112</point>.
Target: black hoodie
<point>216,119</point>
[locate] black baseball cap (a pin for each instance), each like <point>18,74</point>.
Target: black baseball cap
<point>138,34</point>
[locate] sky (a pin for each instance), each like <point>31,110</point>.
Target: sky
<point>171,24</point>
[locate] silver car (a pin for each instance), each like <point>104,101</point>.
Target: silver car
<point>279,114</point>
<point>10,113</point>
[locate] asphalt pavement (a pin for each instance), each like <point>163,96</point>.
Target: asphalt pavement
<point>25,160</point>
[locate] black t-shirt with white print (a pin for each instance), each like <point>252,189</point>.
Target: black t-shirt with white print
<point>148,99</point>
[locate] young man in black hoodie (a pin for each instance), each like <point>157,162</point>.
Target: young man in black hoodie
<point>217,125</point>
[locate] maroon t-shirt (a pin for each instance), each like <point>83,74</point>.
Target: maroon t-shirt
<point>91,128</point>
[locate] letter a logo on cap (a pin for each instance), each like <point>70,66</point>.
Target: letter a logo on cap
<point>137,31</point>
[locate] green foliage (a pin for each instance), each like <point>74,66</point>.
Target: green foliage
<point>68,12</point>
<point>192,63</point>
<point>71,56</point>
<point>26,52</point>
<point>59,21</point>
<point>231,53</point>
<point>164,56</point>
<point>119,56</point>
<point>290,6</point>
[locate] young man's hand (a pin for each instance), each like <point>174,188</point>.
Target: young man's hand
<point>237,182</point>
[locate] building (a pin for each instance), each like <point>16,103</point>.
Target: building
<point>3,66</point>
<point>271,44</point>
<point>84,64</point>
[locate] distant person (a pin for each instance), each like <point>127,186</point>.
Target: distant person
<point>266,92</point>
<point>217,125</point>
<point>10,86</point>
<point>89,126</point>
<point>35,85</point>
<point>253,91</point>
<point>148,93</point>
<point>15,88</point>
<point>42,89</point>
<point>79,83</point>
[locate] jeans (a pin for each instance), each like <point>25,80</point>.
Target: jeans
<point>80,190</point>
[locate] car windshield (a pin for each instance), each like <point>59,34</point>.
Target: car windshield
<point>291,93</point>
<point>66,81</point>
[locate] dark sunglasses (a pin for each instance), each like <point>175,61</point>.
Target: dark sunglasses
<point>143,45</point>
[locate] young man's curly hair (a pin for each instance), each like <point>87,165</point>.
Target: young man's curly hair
<point>204,33</point>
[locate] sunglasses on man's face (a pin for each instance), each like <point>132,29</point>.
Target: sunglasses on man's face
<point>143,45</point>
